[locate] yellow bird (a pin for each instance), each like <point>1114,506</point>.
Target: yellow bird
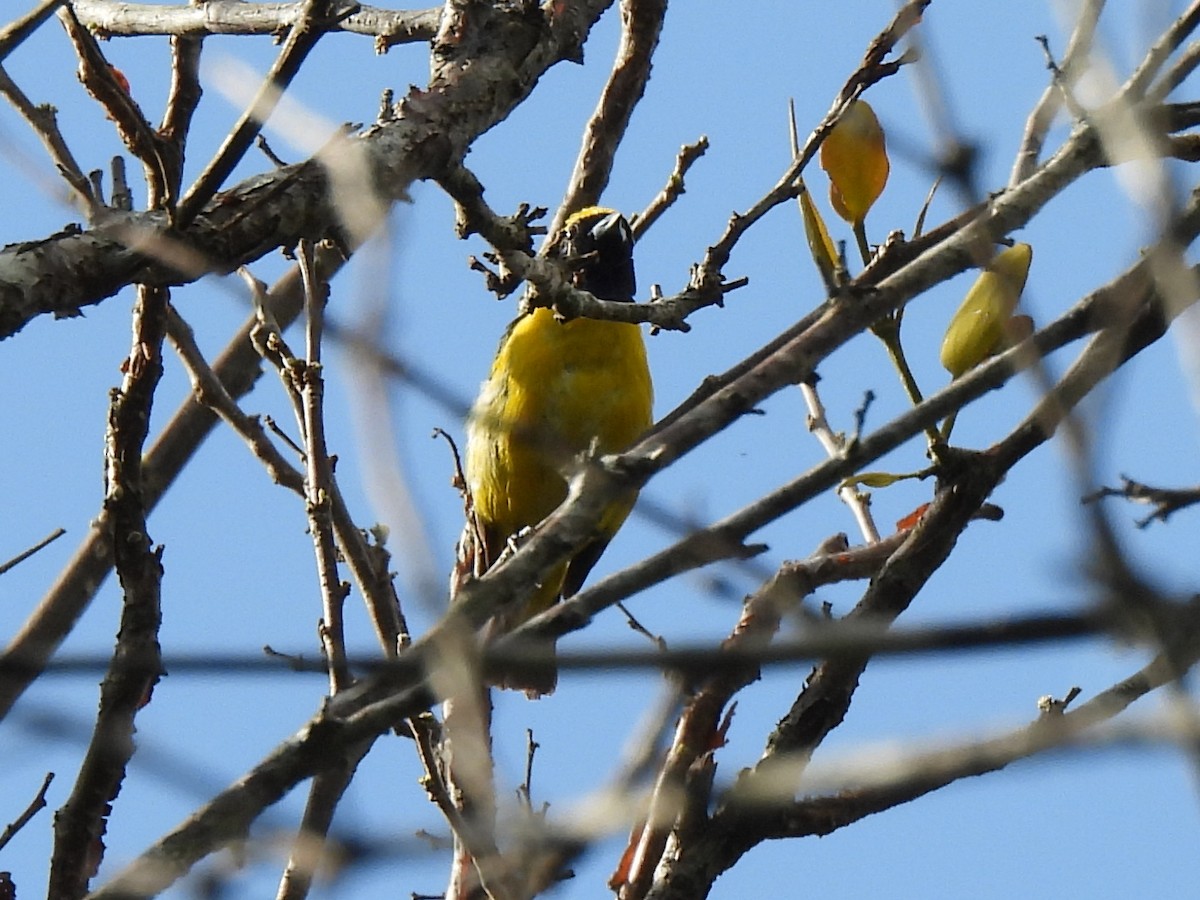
<point>555,390</point>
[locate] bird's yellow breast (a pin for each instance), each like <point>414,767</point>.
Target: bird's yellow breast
<point>554,388</point>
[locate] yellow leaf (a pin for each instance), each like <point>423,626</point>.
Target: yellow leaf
<point>854,155</point>
<point>981,323</point>
<point>820,245</point>
<point>873,479</point>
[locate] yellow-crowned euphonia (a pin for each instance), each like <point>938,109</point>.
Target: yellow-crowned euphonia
<point>557,389</point>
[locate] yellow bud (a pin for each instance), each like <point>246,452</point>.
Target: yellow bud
<point>854,155</point>
<point>981,324</point>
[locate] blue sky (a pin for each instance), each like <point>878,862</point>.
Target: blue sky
<point>239,564</point>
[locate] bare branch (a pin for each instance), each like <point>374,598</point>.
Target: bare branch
<point>1139,83</point>
<point>698,733</point>
<point>642,22</point>
<point>672,191</point>
<point>275,210</point>
<point>308,28</point>
<point>318,478</point>
<point>36,805</point>
<point>136,665</point>
<point>14,33</point>
<point>388,27</point>
<point>905,779</point>
<point>160,159</point>
<point>1074,62</point>
<point>238,368</point>
<point>1164,500</point>
<point>44,121</point>
<point>25,554</point>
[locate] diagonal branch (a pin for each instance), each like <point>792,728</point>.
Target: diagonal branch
<point>309,27</point>
<point>698,732</point>
<point>13,34</point>
<point>733,828</point>
<point>1074,61</point>
<point>44,121</point>
<point>907,779</point>
<point>642,23</point>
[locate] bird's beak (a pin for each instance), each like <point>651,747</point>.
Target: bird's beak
<point>613,222</point>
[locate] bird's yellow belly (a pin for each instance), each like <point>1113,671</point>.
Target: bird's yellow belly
<point>554,390</point>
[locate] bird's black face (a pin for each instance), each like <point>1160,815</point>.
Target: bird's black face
<point>599,244</point>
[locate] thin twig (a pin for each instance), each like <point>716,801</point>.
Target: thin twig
<point>309,383</point>
<point>44,121</point>
<point>698,733</point>
<point>428,735</point>
<point>641,25</point>
<point>874,68</point>
<point>834,445</point>
<point>1164,500</point>
<point>632,621</point>
<point>1061,84</point>
<point>672,190</point>
<point>36,805</point>
<point>312,21</point>
<point>525,791</point>
<point>25,554</point>
<point>210,392</point>
<point>159,157</point>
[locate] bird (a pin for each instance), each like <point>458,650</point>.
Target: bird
<point>556,390</point>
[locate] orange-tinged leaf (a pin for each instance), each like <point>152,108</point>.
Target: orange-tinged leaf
<point>120,77</point>
<point>854,155</point>
<point>621,876</point>
<point>912,518</point>
<point>979,326</point>
<point>721,737</point>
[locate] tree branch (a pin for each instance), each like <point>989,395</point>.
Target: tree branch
<point>136,664</point>
<point>113,19</point>
<point>508,52</point>
<point>642,22</point>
